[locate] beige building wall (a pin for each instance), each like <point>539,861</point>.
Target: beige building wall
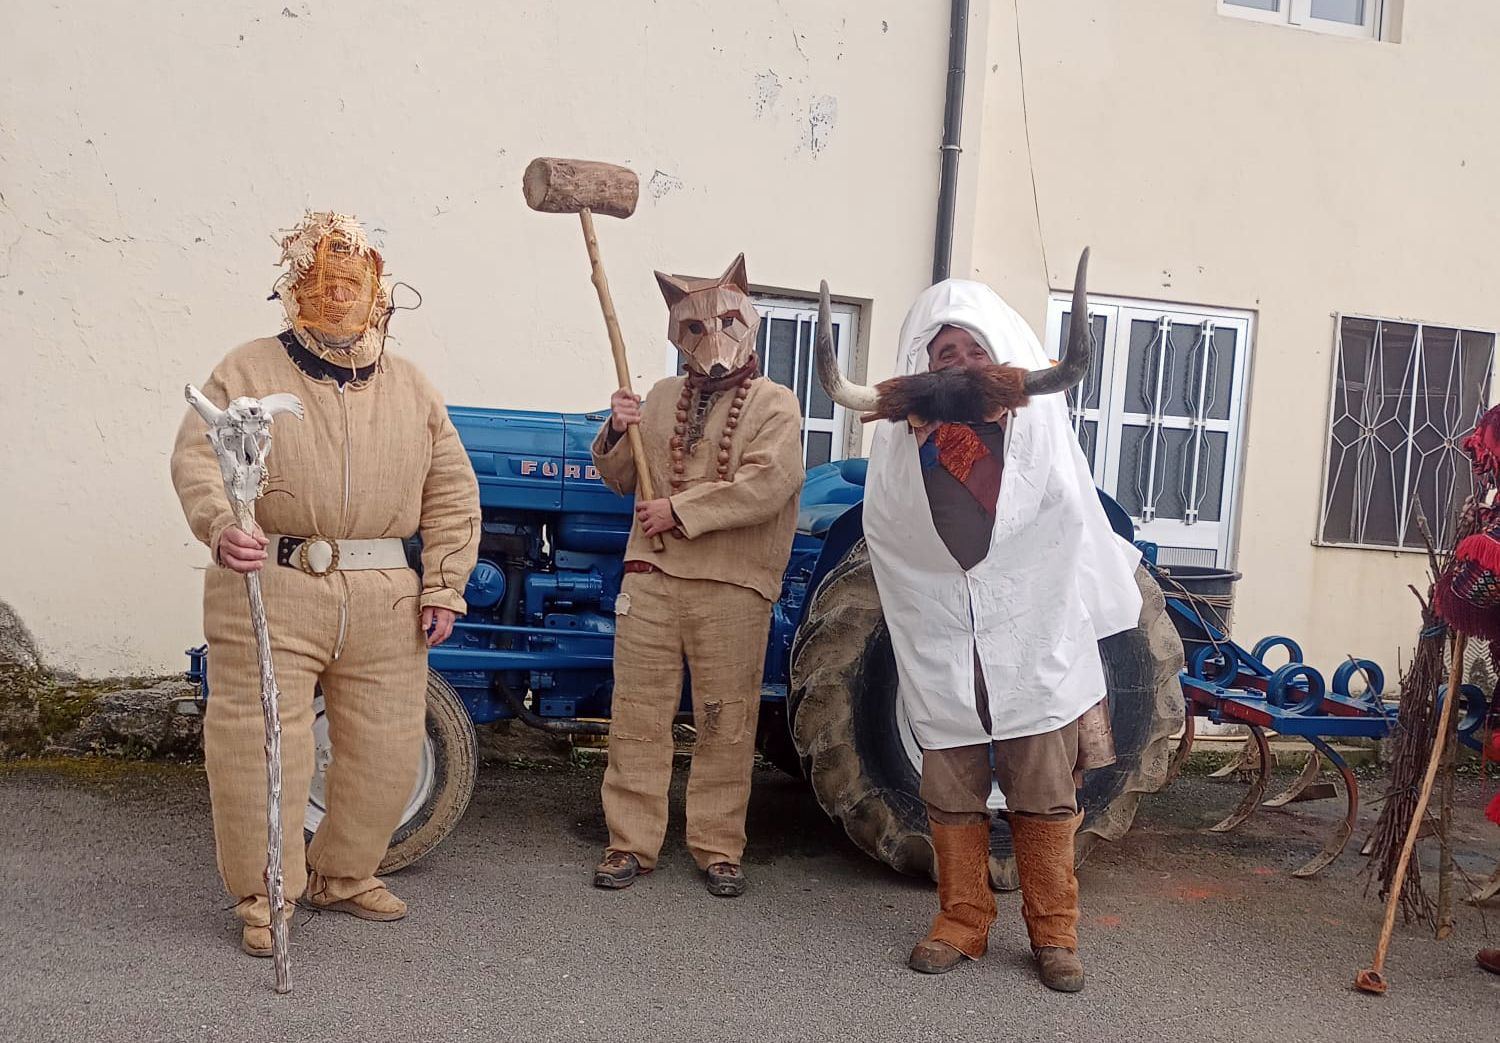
<point>148,152</point>
<point>147,156</point>
<point>1214,161</point>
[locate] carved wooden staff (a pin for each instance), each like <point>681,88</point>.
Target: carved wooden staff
<point>241,437</point>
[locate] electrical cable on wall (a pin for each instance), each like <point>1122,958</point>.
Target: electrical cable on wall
<point>1036,204</point>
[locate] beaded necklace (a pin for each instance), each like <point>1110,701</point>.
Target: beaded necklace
<point>698,394</point>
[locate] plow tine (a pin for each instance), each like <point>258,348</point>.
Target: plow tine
<point>1241,761</point>
<point>1304,778</point>
<point>1344,829</point>
<point>1257,785</point>
<point>1184,747</point>
<point>1487,890</point>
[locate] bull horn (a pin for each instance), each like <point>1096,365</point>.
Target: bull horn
<point>844,392</point>
<point>1074,365</point>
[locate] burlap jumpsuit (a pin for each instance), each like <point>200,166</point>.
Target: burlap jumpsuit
<point>371,459</point>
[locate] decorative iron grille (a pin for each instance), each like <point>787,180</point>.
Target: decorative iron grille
<point>1405,394</point>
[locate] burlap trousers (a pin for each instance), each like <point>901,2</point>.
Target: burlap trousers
<point>720,630</point>
<point>374,697</point>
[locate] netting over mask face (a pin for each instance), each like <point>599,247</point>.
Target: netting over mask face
<point>332,291</point>
<point>713,322</point>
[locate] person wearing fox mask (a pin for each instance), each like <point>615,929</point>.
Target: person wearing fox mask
<point>998,574</point>
<point>727,443</point>
<point>374,460</point>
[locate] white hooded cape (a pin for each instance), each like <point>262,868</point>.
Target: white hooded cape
<point>1056,580</point>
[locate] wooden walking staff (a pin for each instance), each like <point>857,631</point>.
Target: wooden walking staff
<point>1372,978</point>
<point>241,437</point>
<point>586,187</point>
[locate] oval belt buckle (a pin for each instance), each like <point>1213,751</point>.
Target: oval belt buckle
<point>304,560</point>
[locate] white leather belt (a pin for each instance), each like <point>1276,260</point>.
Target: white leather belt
<point>320,555</point>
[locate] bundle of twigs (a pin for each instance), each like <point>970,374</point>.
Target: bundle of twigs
<point>1412,744</point>
<point>1414,736</point>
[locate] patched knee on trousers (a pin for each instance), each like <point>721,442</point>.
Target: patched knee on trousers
<point>721,722</point>
<point>638,719</point>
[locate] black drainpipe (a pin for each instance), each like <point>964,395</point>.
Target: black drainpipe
<point>953,117</point>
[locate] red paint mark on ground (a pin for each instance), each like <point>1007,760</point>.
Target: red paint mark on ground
<point>1196,892</point>
<point>1108,921</point>
<point>1263,871</point>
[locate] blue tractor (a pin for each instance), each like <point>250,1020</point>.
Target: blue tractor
<point>536,647</point>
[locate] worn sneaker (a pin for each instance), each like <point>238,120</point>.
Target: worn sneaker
<point>618,870</point>
<point>725,880</point>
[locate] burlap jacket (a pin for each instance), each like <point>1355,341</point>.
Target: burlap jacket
<point>366,462</point>
<point>738,531</point>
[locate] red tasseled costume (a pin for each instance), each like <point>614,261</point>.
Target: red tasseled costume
<point>1468,592</point>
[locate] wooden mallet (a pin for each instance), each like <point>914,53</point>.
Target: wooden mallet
<point>585,187</point>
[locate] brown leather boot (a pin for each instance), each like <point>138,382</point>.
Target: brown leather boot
<point>1049,897</point>
<point>1489,959</point>
<point>966,905</point>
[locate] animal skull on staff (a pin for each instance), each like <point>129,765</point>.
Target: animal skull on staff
<point>241,438</point>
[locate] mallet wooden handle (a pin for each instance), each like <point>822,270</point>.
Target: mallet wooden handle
<point>622,367</point>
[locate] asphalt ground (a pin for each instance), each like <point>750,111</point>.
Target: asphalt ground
<point>113,927</point>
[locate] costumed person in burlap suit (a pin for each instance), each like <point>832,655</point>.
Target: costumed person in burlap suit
<point>998,574</point>
<point>374,461</point>
<point>727,443</point>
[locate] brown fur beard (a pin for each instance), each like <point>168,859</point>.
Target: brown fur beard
<point>951,396</point>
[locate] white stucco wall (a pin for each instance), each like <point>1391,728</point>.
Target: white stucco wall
<point>149,151</point>
<point>1214,161</point>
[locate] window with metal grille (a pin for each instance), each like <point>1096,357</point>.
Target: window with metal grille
<point>785,347</point>
<point>1405,394</point>
<point>1159,417</point>
<point>1361,18</point>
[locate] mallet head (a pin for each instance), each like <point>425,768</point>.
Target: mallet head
<point>567,186</point>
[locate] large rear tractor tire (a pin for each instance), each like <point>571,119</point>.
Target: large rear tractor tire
<point>446,773</point>
<point>863,762</point>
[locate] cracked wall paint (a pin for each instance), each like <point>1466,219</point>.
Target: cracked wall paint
<point>662,184</point>
<point>822,117</point>
<point>767,89</point>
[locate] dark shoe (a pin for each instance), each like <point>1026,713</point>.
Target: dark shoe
<point>725,880</point>
<point>934,958</point>
<point>1489,959</point>
<point>618,870</point>
<point>1061,970</point>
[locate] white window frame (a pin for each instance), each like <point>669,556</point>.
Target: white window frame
<point>1333,407</point>
<point>804,312</point>
<point>1298,14</point>
<point>1191,539</point>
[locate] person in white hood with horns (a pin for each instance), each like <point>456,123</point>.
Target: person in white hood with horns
<point>998,575</point>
